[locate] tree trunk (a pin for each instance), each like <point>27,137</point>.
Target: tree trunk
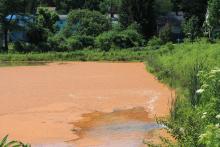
<point>112,14</point>
<point>5,40</point>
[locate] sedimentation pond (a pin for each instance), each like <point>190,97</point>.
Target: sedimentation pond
<point>80,104</point>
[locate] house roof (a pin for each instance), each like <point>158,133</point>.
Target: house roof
<point>63,17</point>
<point>21,20</point>
<point>19,17</point>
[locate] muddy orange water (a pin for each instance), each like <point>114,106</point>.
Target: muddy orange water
<point>84,104</point>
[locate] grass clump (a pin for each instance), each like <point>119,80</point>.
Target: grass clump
<point>5,143</point>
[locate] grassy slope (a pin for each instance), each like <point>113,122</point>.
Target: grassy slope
<point>80,55</point>
<point>175,65</point>
<point>178,66</point>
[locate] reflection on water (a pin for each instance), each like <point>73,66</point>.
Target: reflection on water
<point>20,63</point>
<point>125,128</point>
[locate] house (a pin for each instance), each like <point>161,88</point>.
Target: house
<point>61,22</point>
<point>175,21</point>
<point>18,32</point>
<point>21,24</point>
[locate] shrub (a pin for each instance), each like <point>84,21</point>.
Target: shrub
<point>86,22</point>
<point>80,42</point>
<point>128,38</point>
<point>37,34</point>
<point>119,39</point>
<point>57,43</point>
<point>155,43</point>
<point>105,40</point>
<point>24,47</point>
<point>191,28</point>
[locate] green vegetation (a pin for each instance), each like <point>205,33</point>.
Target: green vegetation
<point>4,143</point>
<point>192,70</point>
<point>134,54</point>
<point>141,12</point>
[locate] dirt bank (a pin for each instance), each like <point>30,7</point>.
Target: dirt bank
<point>39,103</point>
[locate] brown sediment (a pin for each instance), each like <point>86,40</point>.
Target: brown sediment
<point>39,103</point>
<point>96,119</point>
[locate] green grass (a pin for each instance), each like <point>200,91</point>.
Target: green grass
<point>180,66</point>
<point>80,55</point>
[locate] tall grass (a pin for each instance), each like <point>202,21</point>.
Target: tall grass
<point>180,66</point>
<point>80,55</point>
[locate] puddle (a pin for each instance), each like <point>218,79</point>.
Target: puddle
<point>20,63</point>
<point>125,128</point>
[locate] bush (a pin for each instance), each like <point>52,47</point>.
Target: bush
<point>128,38</point>
<point>80,42</point>
<point>119,39</point>
<point>58,43</point>
<point>86,22</point>
<point>155,43</point>
<point>191,28</point>
<point>37,34</point>
<point>24,47</point>
<point>105,40</point>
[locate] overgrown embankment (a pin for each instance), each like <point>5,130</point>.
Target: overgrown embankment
<point>80,55</point>
<point>192,69</point>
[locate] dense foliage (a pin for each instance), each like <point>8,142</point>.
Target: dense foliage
<point>213,16</point>
<point>119,39</point>
<point>197,8</point>
<point>140,11</point>
<point>86,22</point>
<point>191,69</point>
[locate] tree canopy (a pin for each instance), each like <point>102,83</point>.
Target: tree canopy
<point>139,11</point>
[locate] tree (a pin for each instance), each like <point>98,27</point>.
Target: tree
<point>110,6</point>
<point>163,6</point>
<point>64,6</point>
<point>191,8</point>
<point>86,22</point>
<point>8,9</point>
<point>46,18</point>
<point>141,12</point>
<point>213,16</point>
<point>92,4</point>
<point>44,25</point>
<point>176,5</point>
<point>191,28</point>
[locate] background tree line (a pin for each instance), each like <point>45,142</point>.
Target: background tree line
<point>200,16</point>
